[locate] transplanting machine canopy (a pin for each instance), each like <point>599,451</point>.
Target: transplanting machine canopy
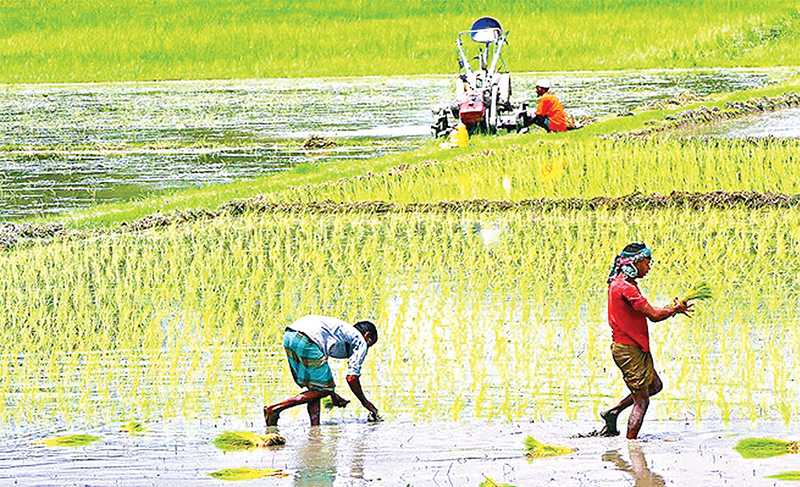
<point>483,93</point>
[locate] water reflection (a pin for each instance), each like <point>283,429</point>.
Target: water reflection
<point>327,453</point>
<point>637,467</point>
<point>317,459</point>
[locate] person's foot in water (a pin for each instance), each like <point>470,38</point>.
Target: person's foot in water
<point>610,428</point>
<point>270,416</point>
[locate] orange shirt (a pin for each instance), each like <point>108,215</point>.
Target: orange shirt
<point>550,107</point>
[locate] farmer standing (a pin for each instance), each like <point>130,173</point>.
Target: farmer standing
<point>628,312</point>
<point>549,112</point>
<point>309,342</point>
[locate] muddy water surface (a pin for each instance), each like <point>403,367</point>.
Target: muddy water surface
<point>784,123</point>
<point>67,146</point>
<point>400,453</point>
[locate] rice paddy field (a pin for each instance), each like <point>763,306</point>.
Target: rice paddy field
<point>485,319</point>
<point>137,338</point>
<point>83,40</point>
<point>67,147</point>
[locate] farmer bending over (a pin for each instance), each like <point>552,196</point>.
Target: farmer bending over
<point>309,342</point>
<point>549,112</point>
<point>628,312</point>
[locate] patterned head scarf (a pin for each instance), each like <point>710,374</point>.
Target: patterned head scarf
<point>625,262</point>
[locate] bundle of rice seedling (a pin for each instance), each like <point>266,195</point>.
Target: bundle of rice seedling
<point>700,291</point>
<point>765,447</point>
<point>537,449</point>
<point>492,483</point>
<point>69,441</point>
<point>786,476</point>
<point>247,440</point>
<point>246,473</point>
<point>132,428</point>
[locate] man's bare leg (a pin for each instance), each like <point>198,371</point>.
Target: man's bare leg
<point>641,400</point>
<point>610,416</point>
<point>313,412</point>
<point>272,413</point>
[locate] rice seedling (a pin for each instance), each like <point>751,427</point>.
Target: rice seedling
<point>786,476</point>
<point>132,428</point>
<point>701,291</point>
<point>537,449</point>
<point>246,440</point>
<point>492,483</point>
<point>582,168</point>
<point>501,314</point>
<point>765,447</point>
<point>69,441</point>
<point>247,473</point>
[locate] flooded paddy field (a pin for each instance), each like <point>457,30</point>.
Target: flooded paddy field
<point>785,123</point>
<point>491,328</point>
<point>401,453</point>
<point>68,146</point>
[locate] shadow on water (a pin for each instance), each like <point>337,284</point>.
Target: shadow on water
<point>69,146</point>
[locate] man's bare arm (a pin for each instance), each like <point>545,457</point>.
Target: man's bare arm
<point>661,314</point>
<point>355,386</point>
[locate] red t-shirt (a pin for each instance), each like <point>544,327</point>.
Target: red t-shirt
<point>626,313</point>
<point>550,107</point>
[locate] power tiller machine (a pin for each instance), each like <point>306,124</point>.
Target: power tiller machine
<point>483,94</point>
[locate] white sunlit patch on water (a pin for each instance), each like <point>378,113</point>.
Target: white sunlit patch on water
<point>782,124</point>
<point>490,232</point>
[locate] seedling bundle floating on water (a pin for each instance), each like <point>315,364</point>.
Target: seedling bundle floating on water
<point>493,483</point>
<point>245,473</point>
<point>247,440</point>
<point>786,476</point>
<point>537,449</point>
<point>132,428</point>
<point>69,441</point>
<point>766,447</point>
<point>700,291</point>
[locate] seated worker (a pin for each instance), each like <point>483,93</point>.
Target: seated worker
<point>309,342</point>
<point>549,112</point>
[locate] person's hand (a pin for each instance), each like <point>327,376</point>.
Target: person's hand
<point>338,400</point>
<point>682,307</point>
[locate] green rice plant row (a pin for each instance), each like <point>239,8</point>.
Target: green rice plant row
<point>582,168</point>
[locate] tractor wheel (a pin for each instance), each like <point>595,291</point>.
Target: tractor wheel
<point>493,110</point>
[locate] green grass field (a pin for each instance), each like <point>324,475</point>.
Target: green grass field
<point>90,40</point>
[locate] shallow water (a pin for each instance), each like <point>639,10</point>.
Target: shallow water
<point>784,124</point>
<point>401,453</point>
<point>67,146</point>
